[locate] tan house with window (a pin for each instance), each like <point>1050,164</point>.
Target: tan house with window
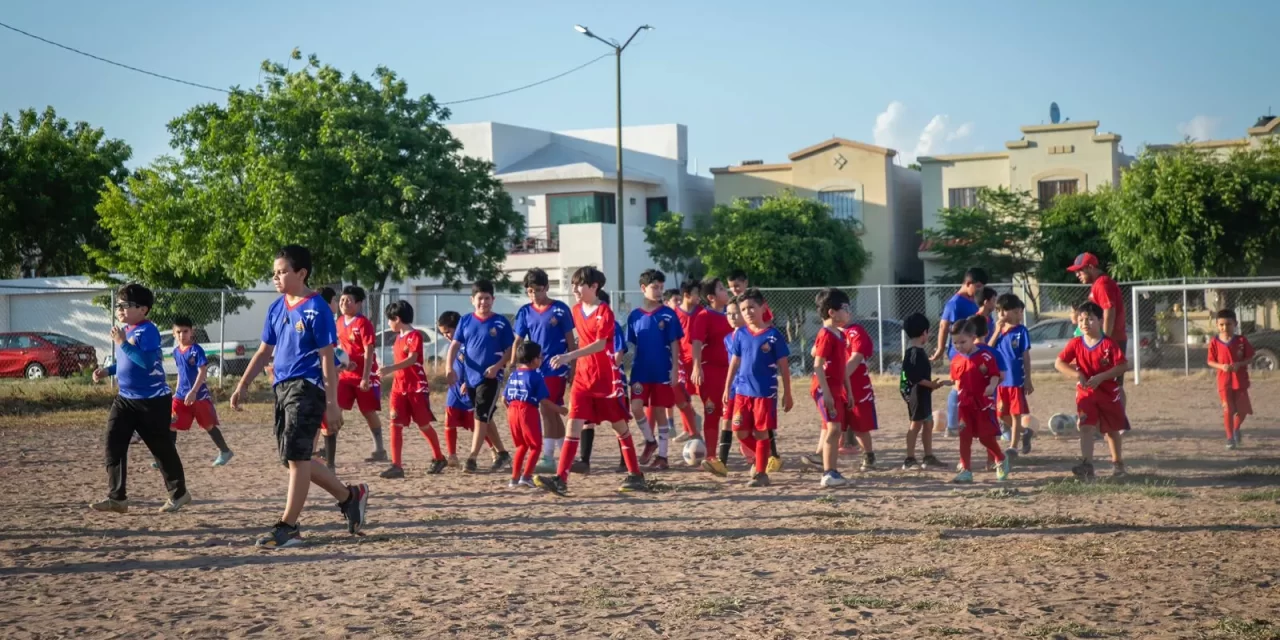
<point>1267,127</point>
<point>859,182</point>
<point>1048,160</point>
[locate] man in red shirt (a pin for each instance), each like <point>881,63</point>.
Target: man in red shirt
<point>1105,293</point>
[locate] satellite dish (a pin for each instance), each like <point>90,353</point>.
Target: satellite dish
<point>1054,114</point>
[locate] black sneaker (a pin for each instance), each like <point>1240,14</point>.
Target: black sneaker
<point>868,461</point>
<point>379,455</point>
<point>354,508</point>
<point>932,462</point>
<point>470,466</point>
<point>1083,471</point>
<point>553,484</point>
<point>580,467</point>
<point>910,463</point>
<point>500,462</point>
<point>281,536</point>
<point>1027,434</point>
<point>759,480</point>
<point>634,482</point>
<point>437,466</point>
<point>392,473</point>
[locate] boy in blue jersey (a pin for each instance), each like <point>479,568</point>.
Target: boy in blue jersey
<point>655,331</point>
<point>961,306</point>
<point>1013,342</point>
<point>527,396</point>
<point>301,333</point>
<point>549,324</point>
<point>758,358</point>
<point>484,339</point>
<point>142,405</point>
<point>192,401</point>
<point>459,413</point>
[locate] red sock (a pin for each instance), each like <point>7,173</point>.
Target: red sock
<point>567,454</point>
<point>430,433</point>
<point>762,454</point>
<point>966,449</point>
<point>518,465</point>
<point>748,448</point>
<point>1228,421</point>
<point>993,448</point>
<point>1239,420</point>
<point>711,436</point>
<point>628,447</point>
<point>648,417</point>
<point>532,461</point>
<point>397,445</point>
<point>451,439</point>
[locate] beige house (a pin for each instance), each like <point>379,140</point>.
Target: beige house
<point>859,182</point>
<point>1267,127</point>
<point>1048,160</point>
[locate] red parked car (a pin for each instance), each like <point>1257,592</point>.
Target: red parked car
<point>37,355</point>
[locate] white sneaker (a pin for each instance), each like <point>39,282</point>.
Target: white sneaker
<point>172,506</point>
<point>833,479</point>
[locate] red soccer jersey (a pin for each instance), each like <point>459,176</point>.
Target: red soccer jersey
<point>410,379</point>
<point>686,328</point>
<point>1106,294</point>
<point>595,374</point>
<point>972,374</point>
<point>1236,350</point>
<point>355,337</point>
<point>830,345</point>
<point>1103,356</point>
<point>859,342</point>
<point>710,328</point>
<point>767,316</point>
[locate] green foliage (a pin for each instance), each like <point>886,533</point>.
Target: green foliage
<point>358,171</point>
<point>50,175</point>
<point>674,248</point>
<point>1068,228</point>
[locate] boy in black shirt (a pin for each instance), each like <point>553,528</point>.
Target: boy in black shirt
<point>917,385</point>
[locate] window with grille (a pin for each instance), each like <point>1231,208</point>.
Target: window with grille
<point>1050,189</point>
<point>754,202</point>
<point>962,197</point>
<point>844,204</point>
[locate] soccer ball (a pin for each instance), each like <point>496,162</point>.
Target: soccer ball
<point>695,451</point>
<point>1059,423</point>
<point>939,421</point>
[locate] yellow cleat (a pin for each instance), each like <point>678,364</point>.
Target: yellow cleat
<point>775,464</point>
<point>715,467</point>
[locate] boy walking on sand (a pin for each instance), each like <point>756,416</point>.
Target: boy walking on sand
<point>192,402</point>
<point>917,386</point>
<point>1096,363</point>
<point>1231,354</point>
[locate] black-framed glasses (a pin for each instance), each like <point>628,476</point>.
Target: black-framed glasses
<point>121,306</point>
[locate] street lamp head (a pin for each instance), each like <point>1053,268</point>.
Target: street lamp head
<point>647,28</point>
<point>581,29</point>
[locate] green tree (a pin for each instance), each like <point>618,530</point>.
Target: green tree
<point>50,174</point>
<point>1186,212</point>
<point>674,248</point>
<point>1068,228</point>
<point>363,174</point>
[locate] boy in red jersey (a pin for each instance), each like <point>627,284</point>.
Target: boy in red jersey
<point>758,358</point>
<point>527,397</point>
<point>410,393</point>
<point>586,443</point>
<point>830,387</point>
<point>358,383</point>
<point>484,340</point>
<point>549,324</point>
<point>1231,354</point>
<point>709,370</point>
<point>687,311</point>
<point>593,396</point>
<point>655,331</point>
<point>1096,363</point>
<point>977,375</point>
<point>861,418</point>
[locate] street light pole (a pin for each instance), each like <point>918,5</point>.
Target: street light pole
<point>620,283</point>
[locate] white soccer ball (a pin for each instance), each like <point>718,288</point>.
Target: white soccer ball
<point>1060,423</point>
<point>695,451</point>
<point>939,420</point>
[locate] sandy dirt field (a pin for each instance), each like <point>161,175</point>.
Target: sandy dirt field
<point>1188,546</point>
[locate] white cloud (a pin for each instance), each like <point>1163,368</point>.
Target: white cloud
<point>893,130</point>
<point>1199,127</point>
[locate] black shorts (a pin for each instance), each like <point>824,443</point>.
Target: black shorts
<point>484,397</point>
<point>920,405</point>
<point>300,407</point>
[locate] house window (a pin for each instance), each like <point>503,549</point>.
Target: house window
<point>962,197</point>
<point>579,208</point>
<point>1050,189</point>
<point>844,204</point>
<point>754,202</point>
<point>654,208</point>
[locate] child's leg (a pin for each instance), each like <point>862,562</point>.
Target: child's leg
<point>299,485</point>
<point>397,445</point>
<point>479,435</point>
<point>120,429</point>
<point>663,415</point>
<point>644,419</point>
<point>913,432</point>
<point>726,436</point>
<point>1229,413</point>
<point>492,438</point>
<point>587,443</point>
<point>953,410</point>
<point>762,451</point>
<point>773,442</point>
<point>153,419</point>
<point>829,447</point>
<point>627,446</point>
<point>966,449</point>
<point>521,447</point>
<point>993,448</point>
<point>326,479</point>
<point>215,434</point>
<point>532,436</point>
<point>429,432</point>
<point>451,440</point>
<point>864,441</point>
<point>570,450</point>
<point>375,428</point>
<point>926,437</point>
<point>1113,443</point>
<point>1086,442</point>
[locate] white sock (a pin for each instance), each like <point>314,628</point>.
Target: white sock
<point>548,447</point>
<point>645,429</point>
<point>664,437</point>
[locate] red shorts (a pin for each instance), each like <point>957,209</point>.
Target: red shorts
<point>202,412</point>
<point>411,406</point>
<point>1237,400</point>
<point>840,417</point>
<point>555,389</point>
<point>979,421</point>
<point>862,417</point>
<point>458,417</point>
<point>1013,401</point>
<point>526,424</point>
<point>654,394</point>
<point>711,391</point>
<point>1102,411</point>
<point>755,414</point>
<point>350,395</point>
<point>594,409</point>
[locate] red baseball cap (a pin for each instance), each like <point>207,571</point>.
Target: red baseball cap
<point>1082,261</point>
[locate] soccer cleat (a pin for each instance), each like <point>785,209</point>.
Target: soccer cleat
<point>964,477</point>
<point>1231,445</point>
<point>682,438</point>
<point>932,462</point>
<point>552,484</point>
<point>378,455</point>
<point>1027,434</point>
<point>812,459</point>
<point>1083,471</point>
<point>659,464</point>
<point>500,461</point>
<point>527,482</point>
<point>453,461</point>
<point>759,480</point>
<point>832,479</point>
<point>513,484</point>
<point>437,466</point>
<point>546,465</point>
<point>1238,438</point>
<point>910,463</point>
<point>355,506</point>
<point>172,506</point>
<point>392,473</point>
<point>650,448</point>
<point>223,458</point>
<point>470,466</point>
<point>580,467</point>
<point>868,461</point>
<point>1118,471</point>
<point>1002,470</point>
<point>281,536</point>
<point>634,482</point>
<point>774,465</point>
<point>114,506</point>
<point>1010,453</point>
<point>715,467</point>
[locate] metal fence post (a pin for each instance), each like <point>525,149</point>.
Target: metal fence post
<point>435,350</point>
<point>1186,337</point>
<point>222,336</point>
<point>1137,339</point>
<point>880,322</point>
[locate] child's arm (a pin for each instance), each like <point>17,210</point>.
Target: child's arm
<point>329,368</point>
<point>695,376</point>
<point>855,360</point>
<point>734,363</point>
<point>591,349</point>
<point>548,405</point>
<point>675,362</point>
<point>1026,372</point>
<point>452,376</point>
<point>934,385</point>
<point>405,364</point>
<point>492,372</point>
<point>784,370</point>
<point>828,401</point>
<point>201,377</point>
<point>1110,374</point>
<point>944,326</point>
<point>256,365</point>
<point>993,384</point>
<point>366,369</point>
<point>1069,371</point>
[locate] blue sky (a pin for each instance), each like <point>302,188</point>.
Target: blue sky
<point>751,79</point>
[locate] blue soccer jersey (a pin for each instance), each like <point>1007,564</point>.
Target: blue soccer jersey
<point>549,328</point>
<point>758,355</point>
<point>142,378</point>
<point>652,332</point>
<point>298,332</point>
<point>728,342</point>
<point>619,349</point>
<point>526,385</point>
<point>484,341</point>
<point>189,361</point>
<point>1011,346</point>
<point>959,308</point>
